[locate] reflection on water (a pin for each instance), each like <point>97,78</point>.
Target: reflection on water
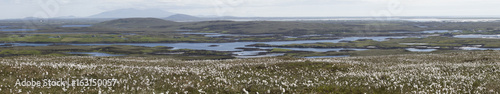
<point>26,44</point>
<point>259,56</point>
<point>222,35</point>
<point>316,49</point>
<point>48,33</point>
<point>1,27</point>
<point>477,48</point>
<point>200,33</point>
<point>8,30</point>
<point>477,36</point>
<point>441,31</point>
<point>248,53</point>
<point>76,25</point>
<point>327,56</point>
<point>184,30</point>
<point>420,50</point>
<point>429,31</point>
<point>94,53</point>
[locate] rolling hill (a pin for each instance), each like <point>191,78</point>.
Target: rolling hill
<point>132,13</point>
<point>183,17</point>
<point>137,23</point>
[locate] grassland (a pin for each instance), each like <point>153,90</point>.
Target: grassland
<point>462,72</point>
<point>371,52</point>
<point>106,38</point>
<point>436,41</point>
<point>138,51</point>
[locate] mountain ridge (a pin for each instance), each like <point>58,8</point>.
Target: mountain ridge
<point>137,23</point>
<point>133,13</point>
<point>182,17</point>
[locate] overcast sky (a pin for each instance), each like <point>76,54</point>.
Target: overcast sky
<point>255,8</point>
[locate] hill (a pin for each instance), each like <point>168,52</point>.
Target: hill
<point>131,13</point>
<point>137,23</point>
<point>264,27</point>
<point>182,17</point>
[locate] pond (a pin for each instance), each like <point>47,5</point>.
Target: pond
<point>478,36</point>
<point>48,33</point>
<point>9,30</point>
<point>26,44</point>
<point>441,31</point>
<point>76,25</point>
<point>248,53</point>
<point>259,56</point>
<point>184,30</point>
<point>477,48</point>
<point>94,53</point>
<point>429,31</point>
<point>200,33</point>
<point>420,50</point>
<point>235,35</point>
<point>316,49</point>
<point>1,27</point>
<point>222,35</point>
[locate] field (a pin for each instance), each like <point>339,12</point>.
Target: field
<point>458,72</point>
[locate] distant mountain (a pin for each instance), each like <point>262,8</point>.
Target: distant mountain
<point>65,17</point>
<point>133,13</point>
<point>137,23</point>
<point>182,17</point>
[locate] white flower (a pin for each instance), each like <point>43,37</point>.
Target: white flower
<point>246,92</point>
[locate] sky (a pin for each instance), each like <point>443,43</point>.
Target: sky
<point>255,8</point>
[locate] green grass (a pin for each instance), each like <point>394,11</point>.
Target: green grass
<point>280,50</point>
<point>6,52</point>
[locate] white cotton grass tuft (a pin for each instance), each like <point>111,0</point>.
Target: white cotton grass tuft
<point>420,73</point>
